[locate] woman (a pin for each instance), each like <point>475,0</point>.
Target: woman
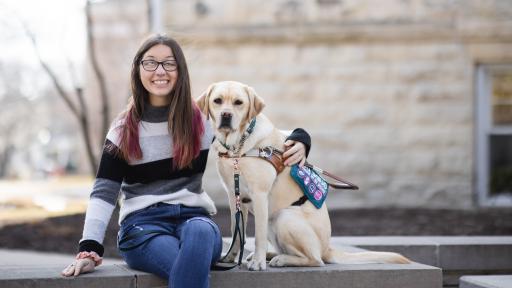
<point>155,154</point>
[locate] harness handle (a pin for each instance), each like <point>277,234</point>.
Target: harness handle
<point>269,153</point>
<point>339,184</point>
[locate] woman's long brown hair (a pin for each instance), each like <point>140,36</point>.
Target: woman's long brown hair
<point>185,123</point>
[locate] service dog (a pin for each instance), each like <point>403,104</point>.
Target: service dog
<point>299,234</point>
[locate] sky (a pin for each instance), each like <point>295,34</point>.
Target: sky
<point>59,28</point>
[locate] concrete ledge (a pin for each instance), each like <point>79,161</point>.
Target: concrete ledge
<point>342,276</point>
<point>450,253</point>
<point>105,276</point>
<point>457,256</point>
<point>501,281</point>
<point>119,275</point>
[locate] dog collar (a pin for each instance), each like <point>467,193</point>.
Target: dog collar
<point>244,137</point>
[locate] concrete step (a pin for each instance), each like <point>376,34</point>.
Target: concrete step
<point>457,256</point>
<point>342,276</point>
<point>119,275</point>
<point>487,281</point>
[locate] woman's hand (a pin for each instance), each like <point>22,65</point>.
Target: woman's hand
<point>295,152</point>
<point>80,266</point>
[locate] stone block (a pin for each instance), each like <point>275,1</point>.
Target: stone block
<point>475,253</point>
<point>487,281</point>
<point>49,277</point>
<point>340,276</point>
<point>415,248</point>
<point>454,253</point>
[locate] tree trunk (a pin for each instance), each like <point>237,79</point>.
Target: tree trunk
<point>105,105</point>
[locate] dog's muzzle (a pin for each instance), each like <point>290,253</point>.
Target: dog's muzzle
<point>225,120</point>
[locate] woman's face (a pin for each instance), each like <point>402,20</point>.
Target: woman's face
<point>158,74</point>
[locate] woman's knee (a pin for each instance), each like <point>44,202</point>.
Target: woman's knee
<point>201,228</point>
<point>202,235</point>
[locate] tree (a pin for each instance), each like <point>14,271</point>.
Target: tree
<point>97,72</point>
<point>79,108</point>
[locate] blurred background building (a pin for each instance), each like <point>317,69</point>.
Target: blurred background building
<point>411,100</point>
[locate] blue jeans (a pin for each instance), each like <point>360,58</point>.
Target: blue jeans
<point>188,245</point>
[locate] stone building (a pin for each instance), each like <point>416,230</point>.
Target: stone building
<point>411,100</point>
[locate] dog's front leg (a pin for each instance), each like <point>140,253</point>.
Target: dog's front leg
<point>260,206</point>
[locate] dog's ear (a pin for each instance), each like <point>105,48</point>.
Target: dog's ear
<point>256,103</point>
<point>203,100</point>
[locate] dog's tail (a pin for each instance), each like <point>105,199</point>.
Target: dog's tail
<point>366,257</point>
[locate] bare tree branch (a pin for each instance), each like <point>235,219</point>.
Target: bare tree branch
<point>80,113</point>
<point>62,93</point>
<point>83,119</point>
<point>84,124</point>
<point>99,75</point>
<point>80,110</point>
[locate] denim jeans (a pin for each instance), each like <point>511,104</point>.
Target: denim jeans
<point>183,253</point>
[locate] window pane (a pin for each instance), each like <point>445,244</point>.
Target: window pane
<point>501,164</point>
<point>502,98</point>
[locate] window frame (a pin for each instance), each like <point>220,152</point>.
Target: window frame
<point>485,128</point>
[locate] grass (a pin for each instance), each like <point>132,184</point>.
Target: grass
<point>27,201</point>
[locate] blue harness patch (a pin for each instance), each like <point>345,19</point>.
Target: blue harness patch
<point>313,185</point>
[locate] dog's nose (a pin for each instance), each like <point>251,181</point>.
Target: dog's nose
<point>225,115</point>
<point>225,120</point>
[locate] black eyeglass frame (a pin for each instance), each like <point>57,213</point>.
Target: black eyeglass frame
<point>158,63</point>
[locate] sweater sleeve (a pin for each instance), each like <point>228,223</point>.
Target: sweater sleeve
<point>302,136</point>
<point>103,198</point>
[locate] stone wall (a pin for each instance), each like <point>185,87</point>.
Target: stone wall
<point>385,88</point>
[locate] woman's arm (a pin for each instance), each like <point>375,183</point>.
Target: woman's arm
<point>102,202</point>
<point>297,147</point>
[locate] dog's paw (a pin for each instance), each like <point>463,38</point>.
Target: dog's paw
<point>249,257</point>
<point>269,257</point>
<point>257,265</point>
<point>277,261</point>
<point>230,258</point>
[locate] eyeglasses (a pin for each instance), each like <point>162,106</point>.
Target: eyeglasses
<point>152,65</point>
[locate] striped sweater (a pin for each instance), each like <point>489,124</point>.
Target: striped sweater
<point>149,180</point>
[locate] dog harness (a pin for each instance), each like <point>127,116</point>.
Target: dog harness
<point>314,186</point>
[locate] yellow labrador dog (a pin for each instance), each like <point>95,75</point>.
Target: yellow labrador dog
<point>300,234</point>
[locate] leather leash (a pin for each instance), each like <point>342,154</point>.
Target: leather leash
<point>239,222</point>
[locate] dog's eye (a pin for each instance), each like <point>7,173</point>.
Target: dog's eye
<point>217,101</point>
<point>238,102</point>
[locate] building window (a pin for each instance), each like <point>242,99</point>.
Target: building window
<point>494,135</point>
